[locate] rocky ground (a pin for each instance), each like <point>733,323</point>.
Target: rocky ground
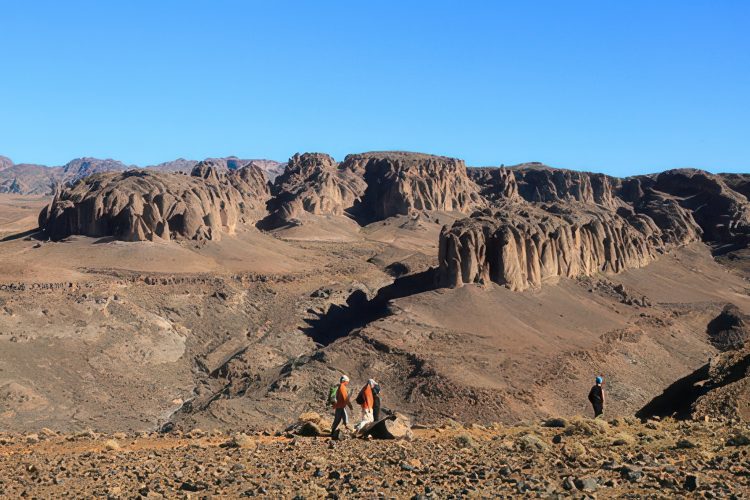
<point>579,457</point>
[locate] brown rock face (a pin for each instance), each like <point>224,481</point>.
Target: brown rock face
<point>722,213</point>
<point>314,183</point>
<point>555,185</point>
<point>398,183</point>
<point>523,246</point>
<point>143,205</point>
<point>495,184</point>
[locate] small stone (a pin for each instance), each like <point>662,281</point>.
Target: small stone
<point>691,482</point>
<point>111,445</point>
<point>587,484</point>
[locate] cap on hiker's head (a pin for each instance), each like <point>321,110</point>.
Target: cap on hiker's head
<point>344,378</point>
<point>599,380</point>
<point>372,383</point>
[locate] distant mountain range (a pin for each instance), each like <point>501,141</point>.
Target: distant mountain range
<point>27,178</point>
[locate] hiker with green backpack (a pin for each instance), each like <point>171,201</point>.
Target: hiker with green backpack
<point>339,398</point>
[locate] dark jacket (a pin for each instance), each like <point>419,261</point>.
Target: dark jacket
<point>596,395</point>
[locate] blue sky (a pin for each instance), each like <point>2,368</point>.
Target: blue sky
<point>619,87</point>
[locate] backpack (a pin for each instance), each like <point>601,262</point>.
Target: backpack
<point>361,397</point>
<point>332,391</point>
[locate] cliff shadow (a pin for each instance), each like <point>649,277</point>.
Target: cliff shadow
<point>340,320</point>
<point>678,398</point>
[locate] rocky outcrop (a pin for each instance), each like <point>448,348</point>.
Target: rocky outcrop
<point>5,162</point>
<point>738,182</point>
<point>495,184</point>
<point>399,183</point>
<point>722,213</point>
<point>544,184</point>
<point>524,246</point>
<point>139,205</point>
<point>314,183</point>
<point>725,389</point>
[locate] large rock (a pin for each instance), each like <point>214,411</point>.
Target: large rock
<point>523,245</point>
<point>142,205</point>
<point>399,183</point>
<point>314,183</point>
<point>396,426</point>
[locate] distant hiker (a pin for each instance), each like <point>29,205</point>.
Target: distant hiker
<point>366,399</point>
<point>342,401</point>
<point>596,396</point>
<point>376,403</point>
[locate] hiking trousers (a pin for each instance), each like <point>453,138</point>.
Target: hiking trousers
<point>339,416</point>
<point>598,409</point>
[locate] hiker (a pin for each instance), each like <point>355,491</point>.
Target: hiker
<point>365,400</point>
<point>596,396</point>
<point>342,401</point>
<point>376,403</point>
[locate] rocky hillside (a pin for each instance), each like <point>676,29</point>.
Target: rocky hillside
<point>140,205</point>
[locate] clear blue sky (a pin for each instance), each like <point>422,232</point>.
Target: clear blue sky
<point>621,87</point>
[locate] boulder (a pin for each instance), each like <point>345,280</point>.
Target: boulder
<point>396,426</point>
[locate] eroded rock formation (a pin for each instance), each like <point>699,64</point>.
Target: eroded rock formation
<point>544,184</point>
<point>140,205</point>
<point>722,213</point>
<point>523,246</point>
<point>495,184</point>
<point>314,183</point>
<point>399,183</point>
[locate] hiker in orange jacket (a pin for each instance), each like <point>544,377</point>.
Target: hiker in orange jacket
<point>342,401</point>
<point>367,400</point>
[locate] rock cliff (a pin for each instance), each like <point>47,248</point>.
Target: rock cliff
<point>495,184</point>
<point>544,184</point>
<point>140,205</point>
<point>314,183</point>
<point>524,245</point>
<point>722,213</point>
<point>399,183</point>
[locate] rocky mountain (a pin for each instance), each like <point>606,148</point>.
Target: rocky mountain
<point>178,165</point>
<point>43,180</point>
<point>5,162</point>
<point>314,183</point>
<point>140,205</point>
